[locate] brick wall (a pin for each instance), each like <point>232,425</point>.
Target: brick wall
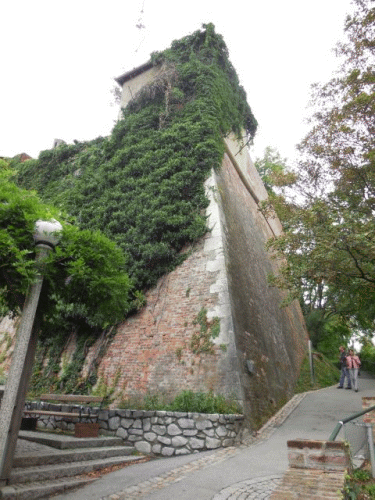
<point>316,470</point>
<point>323,455</point>
<point>369,418</point>
<point>151,352</point>
<point>367,402</point>
<point>225,273</point>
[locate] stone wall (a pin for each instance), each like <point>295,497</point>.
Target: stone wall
<point>271,339</point>
<point>255,356</point>
<point>157,432</point>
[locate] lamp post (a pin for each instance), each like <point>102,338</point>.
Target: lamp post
<point>46,236</point>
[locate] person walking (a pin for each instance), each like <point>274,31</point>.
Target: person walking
<point>353,363</point>
<point>344,370</point>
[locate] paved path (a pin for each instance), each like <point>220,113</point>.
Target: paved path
<point>250,471</point>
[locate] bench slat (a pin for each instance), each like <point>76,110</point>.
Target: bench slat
<point>66,398</point>
<point>60,414</point>
<point>70,398</point>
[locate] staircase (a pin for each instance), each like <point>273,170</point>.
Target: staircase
<point>55,463</point>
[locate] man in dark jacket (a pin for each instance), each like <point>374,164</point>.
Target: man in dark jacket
<point>344,370</point>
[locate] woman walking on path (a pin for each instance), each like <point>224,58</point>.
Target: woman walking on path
<point>353,365</point>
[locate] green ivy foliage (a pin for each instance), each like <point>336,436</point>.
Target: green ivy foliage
<point>84,278</point>
<point>143,186</point>
<point>367,355</point>
<point>19,209</point>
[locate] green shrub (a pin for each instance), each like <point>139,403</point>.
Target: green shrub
<point>186,401</point>
<point>359,485</point>
<point>367,356</point>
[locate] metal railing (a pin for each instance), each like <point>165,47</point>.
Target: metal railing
<point>359,435</point>
<point>340,423</point>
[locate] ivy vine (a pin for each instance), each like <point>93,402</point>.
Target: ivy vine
<point>143,185</point>
<point>202,340</point>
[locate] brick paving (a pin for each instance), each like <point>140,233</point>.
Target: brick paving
<point>253,489</point>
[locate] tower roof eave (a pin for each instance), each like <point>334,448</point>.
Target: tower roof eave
<point>133,73</point>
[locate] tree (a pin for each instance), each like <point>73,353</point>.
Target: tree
<point>329,239</point>
<point>274,171</point>
<point>327,331</point>
<point>84,279</point>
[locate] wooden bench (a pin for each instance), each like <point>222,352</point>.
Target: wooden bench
<point>89,428</point>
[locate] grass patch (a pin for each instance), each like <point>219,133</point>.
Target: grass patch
<point>326,374</point>
<point>186,401</point>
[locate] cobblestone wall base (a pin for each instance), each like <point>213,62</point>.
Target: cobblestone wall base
<point>164,433</point>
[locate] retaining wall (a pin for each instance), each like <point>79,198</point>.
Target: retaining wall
<point>163,433</point>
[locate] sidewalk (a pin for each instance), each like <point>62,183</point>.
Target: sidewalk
<point>250,471</point>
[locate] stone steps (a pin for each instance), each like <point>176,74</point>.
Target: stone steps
<point>65,442</point>
<point>34,491</point>
<point>57,471</point>
<point>48,464</point>
<point>71,455</point>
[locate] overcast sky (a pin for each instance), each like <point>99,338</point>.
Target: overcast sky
<point>59,58</point>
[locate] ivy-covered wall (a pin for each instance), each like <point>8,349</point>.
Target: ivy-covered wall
<point>215,312</point>
<point>183,338</point>
<point>143,185</point>
<point>161,187</point>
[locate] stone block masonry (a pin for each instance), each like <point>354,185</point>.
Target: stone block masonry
<point>163,433</point>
